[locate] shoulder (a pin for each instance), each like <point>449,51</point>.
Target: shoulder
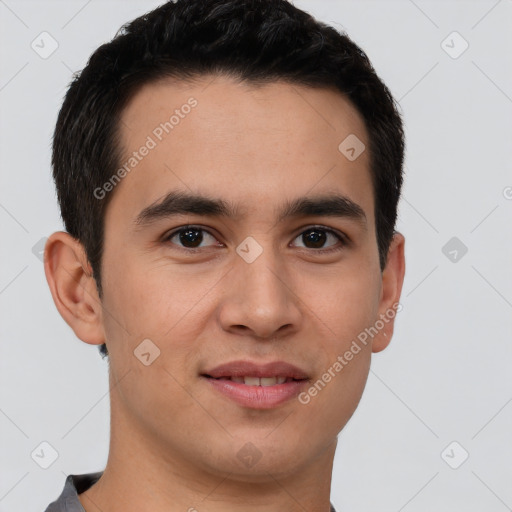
<point>74,485</point>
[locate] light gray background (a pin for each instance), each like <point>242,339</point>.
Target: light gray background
<point>446,375</point>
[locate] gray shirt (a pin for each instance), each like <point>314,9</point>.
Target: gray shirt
<point>76,484</point>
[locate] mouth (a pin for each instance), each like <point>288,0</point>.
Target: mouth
<point>257,386</point>
<point>256,381</point>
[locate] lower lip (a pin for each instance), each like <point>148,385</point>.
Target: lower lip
<point>257,397</point>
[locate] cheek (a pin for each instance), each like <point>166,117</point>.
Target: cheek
<point>346,301</point>
<point>346,305</point>
<point>153,301</point>
<point>152,298</point>
<point>329,402</point>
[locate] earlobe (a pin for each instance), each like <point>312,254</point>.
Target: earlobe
<point>392,281</point>
<point>73,287</point>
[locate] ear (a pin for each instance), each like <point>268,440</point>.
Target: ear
<point>73,287</point>
<point>392,281</point>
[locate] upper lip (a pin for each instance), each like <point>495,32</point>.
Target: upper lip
<point>250,369</point>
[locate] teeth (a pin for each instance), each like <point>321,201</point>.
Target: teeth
<point>263,381</point>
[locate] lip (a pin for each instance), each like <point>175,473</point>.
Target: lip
<point>243,368</point>
<point>257,397</point>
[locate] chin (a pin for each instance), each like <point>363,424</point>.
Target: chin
<point>258,458</point>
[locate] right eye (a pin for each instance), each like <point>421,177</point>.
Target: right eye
<point>190,238</point>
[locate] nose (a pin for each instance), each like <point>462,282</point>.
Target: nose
<point>261,299</point>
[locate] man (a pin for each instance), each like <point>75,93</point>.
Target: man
<point>228,174</point>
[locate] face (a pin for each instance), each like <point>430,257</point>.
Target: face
<point>240,278</point>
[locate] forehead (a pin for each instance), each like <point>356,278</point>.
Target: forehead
<point>250,145</point>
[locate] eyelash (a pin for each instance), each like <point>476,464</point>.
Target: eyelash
<point>341,237</point>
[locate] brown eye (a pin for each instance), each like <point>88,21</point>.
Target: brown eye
<point>190,237</point>
<point>194,237</point>
<point>317,237</point>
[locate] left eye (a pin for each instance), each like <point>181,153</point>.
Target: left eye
<point>317,237</point>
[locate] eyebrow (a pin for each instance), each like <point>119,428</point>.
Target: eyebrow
<point>182,203</point>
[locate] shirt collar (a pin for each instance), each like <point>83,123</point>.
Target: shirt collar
<point>76,484</point>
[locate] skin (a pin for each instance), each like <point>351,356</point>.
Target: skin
<point>174,440</point>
